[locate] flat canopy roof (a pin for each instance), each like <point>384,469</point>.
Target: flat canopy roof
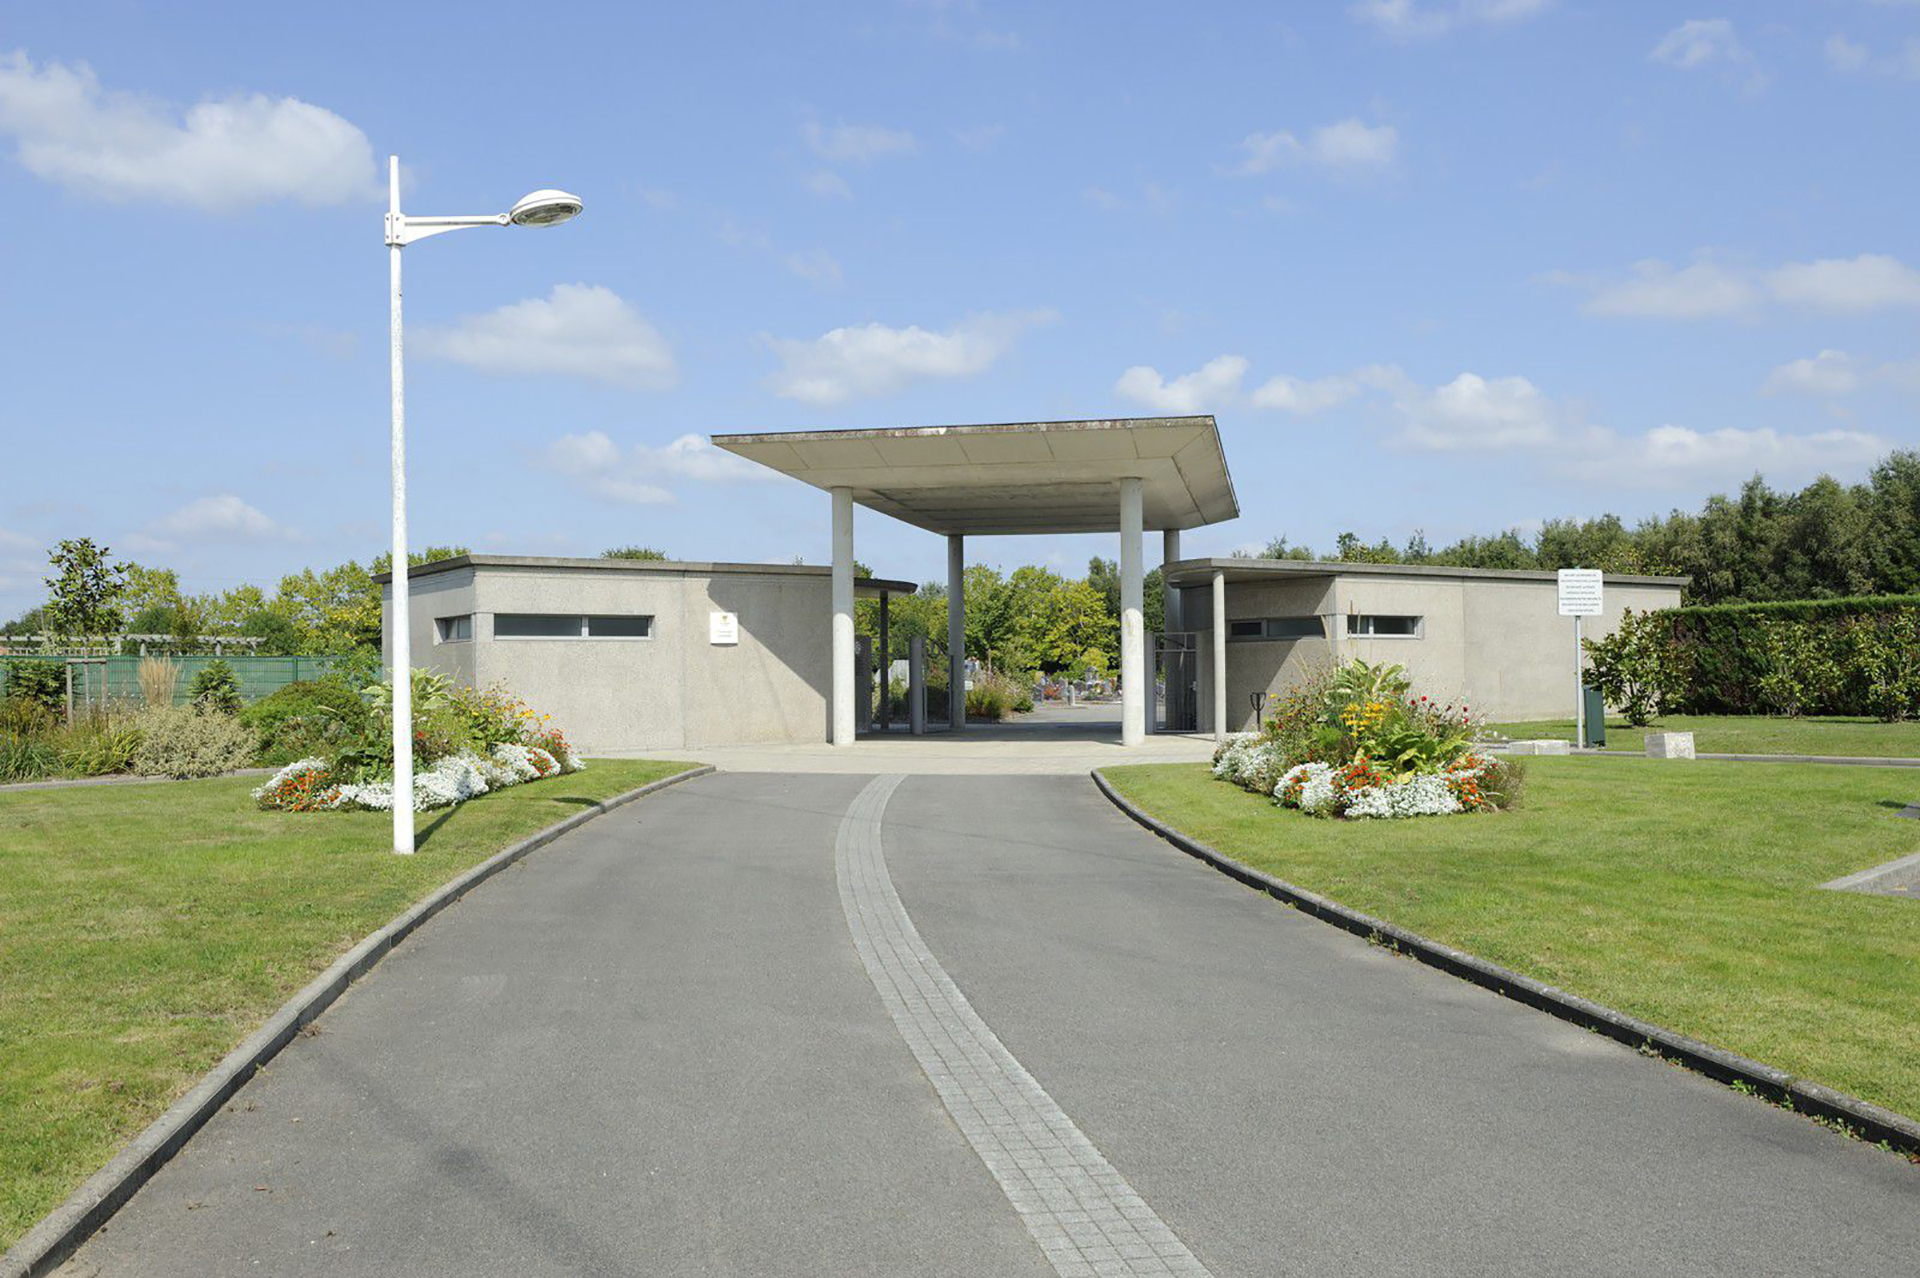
<point>868,586</point>
<point>1194,572</point>
<point>1014,477</point>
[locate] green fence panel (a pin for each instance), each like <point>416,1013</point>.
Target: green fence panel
<point>118,678</point>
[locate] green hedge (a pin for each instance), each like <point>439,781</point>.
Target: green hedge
<point>1855,656</point>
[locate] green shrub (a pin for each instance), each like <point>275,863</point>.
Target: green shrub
<point>217,688</point>
<point>1883,652</point>
<point>993,696</point>
<point>189,741</point>
<point>20,716</point>
<point>309,718</point>
<point>39,681</point>
<point>1634,667</point>
<point>26,758</point>
<point>99,748</point>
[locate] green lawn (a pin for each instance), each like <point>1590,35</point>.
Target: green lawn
<point>146,929</point>
<point>1681,893</point>
<point>1749,734</point>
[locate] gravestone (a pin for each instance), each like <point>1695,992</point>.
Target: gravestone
<point>1547,746</point>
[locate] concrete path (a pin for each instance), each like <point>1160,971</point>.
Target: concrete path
<point>786,1024</point>
<point>1052,741</point>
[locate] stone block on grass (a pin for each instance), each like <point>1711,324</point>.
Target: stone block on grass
<point>1548,746</point>
<point>1670,745</point>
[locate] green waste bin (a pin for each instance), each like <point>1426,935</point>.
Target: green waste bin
<point>1596,718</point>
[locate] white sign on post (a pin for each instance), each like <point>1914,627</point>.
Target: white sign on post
<point>723,627</point>
<point>1580,592</point>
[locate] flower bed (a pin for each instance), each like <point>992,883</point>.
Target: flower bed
<point>1355,742</point>
<point>466,743</point>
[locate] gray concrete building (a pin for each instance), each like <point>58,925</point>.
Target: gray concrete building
<point>1493,639</point>
<point>632,654</point>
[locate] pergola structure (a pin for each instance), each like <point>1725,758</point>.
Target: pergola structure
<point>1115,474</point>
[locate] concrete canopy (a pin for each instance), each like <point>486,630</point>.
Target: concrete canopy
<point>1013,477</point>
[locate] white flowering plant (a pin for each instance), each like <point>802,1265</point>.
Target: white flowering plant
<point>1355,741</point>
<point>470,743</point>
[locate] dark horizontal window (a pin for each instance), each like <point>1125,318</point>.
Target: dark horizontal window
<point>570,625</point>
<point>1277,628</point>
<point>537,625</point>
<point>625,627</point>
<point>1385,624</point>
<point>451,629</point>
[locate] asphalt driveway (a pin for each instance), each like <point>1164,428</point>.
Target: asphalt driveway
<point>655,1048</point>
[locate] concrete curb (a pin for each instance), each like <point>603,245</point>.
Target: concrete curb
<point>1802,1095</point>
<point>62,783</point>
<point>61,1231</point>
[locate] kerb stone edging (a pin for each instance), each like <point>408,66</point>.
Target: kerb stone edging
<point>61,1231</point>
<point>1803,1095</point>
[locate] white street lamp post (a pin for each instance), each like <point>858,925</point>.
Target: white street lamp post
<point>541,208</point>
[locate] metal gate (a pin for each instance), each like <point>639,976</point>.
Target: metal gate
<point>1176,669</point>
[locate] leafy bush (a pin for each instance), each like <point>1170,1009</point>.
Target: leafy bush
<point>992,696</point>
<point>22,716</point>
<point>306,718</point>
<point>1883,652</point>
<point>217,688</point>
<point>42,682</point>
<point>188,741</point>
<point>1634,667</point>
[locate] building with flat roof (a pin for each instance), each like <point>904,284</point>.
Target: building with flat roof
<point>635,654</point>
<point>1492,639</point>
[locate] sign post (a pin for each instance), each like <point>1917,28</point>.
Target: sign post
<point>1580,592</point>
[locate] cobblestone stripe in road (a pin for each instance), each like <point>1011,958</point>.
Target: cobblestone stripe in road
<point>1087,1219</point>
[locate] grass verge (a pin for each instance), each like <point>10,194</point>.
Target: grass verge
<point>146,930</point>
<point>1748,734</point>
<point>1684,895</point>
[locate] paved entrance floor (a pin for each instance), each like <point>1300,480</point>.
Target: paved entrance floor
<point>786,1024</point>
<point>1052,741</point>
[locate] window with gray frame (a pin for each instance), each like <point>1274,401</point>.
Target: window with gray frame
<point>453,629</point>
<point>569,625</point>
<point>1277,628</point>
<point>1384,626</point>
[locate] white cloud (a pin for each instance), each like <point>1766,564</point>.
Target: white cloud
<point>856,143</point>
<point>1851,286</point>
<point>1679,456</point>
<point>578,330</point>
<point>1852,57</point>
<point>1409,19</point>
<point>221,154</point>
<point>1208,388</point>
<point>223,517</point>
<point>828,185</point>
<point>1471,413</point>
<point>1702,290</point>
<point>1304,398</point>
<point>641,475</point>
<point>1710,289</point>
<point>980,137</point>
<point>1847,55</point>
<point>10,540</point>
<point>1344,144</point>
<point>869,360</point>
<point>817,267</point>
<point>1699,42</point>
<point>1830,373</point>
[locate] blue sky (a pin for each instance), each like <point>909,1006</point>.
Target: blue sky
<point>1455,265</point>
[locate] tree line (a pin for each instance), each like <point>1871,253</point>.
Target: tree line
<point>1826,541</point>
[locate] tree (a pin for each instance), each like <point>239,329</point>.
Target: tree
<point>83,595</point>
<point>632,552</point>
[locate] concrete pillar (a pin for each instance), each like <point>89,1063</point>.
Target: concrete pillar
<point>1170,554</point>
<point>1219,656</point>
<point>956,631</point>
<point>886,669</point>
<point>1134,689</point>
<point>843,693</point>
<point>917,685</point>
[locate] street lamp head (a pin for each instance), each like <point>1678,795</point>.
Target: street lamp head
<point>544,208</point>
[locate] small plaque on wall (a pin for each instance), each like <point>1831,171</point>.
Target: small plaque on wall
<point>723,627</point>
